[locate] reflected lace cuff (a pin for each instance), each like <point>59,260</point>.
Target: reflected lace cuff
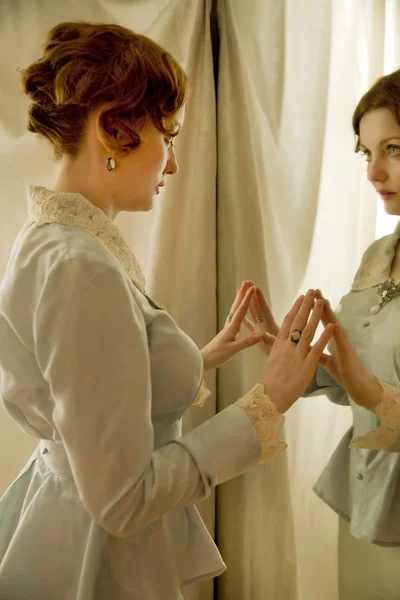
<point>203,395</point>
<point>266,420</point>
<point>388,412</point>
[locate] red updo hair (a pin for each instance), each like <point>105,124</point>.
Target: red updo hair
<point>86,67</point>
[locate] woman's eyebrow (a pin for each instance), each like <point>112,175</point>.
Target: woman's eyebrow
<point>391,137</point>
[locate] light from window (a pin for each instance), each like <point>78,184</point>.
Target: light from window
<point>385,223</point>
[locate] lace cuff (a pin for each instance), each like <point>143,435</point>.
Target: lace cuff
<point>266,420</point>
<point>203,395</point>
<point>388,412</point>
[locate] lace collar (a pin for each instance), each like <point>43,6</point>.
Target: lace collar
<point>46,206</point>
<point>376,270</point>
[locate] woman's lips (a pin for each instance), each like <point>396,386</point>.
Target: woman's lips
<point>386,195</point>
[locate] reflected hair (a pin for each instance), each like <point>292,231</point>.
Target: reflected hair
<point>85,67</point>
<point>385,93</point>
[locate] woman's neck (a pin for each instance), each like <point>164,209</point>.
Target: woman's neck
<point>395,268</point>
<point>80,176</point>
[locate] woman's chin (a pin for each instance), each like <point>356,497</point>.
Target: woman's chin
<point>392,209</point>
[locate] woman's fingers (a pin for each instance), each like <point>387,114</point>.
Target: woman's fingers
<point>323,359</point>
<point>241,311</point>
<point>316,352</point>
<point>267,342</point>
<point>240,294</point>
<point>301,319</point>
<point>255,309</point>
<point>253,340</point>
<point>341,331</point>
<point>310,328</point>
<point>266,311</point>
<point>329,315</point>
<point>298,315</point>
<point>268,339</point>
<point>287,323</point>
<point>341,340</point>
<point>247,342</point>
<point>249,325</point>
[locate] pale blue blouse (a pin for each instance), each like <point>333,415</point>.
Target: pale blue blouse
<point>104,509</point>
<point>363,486</point>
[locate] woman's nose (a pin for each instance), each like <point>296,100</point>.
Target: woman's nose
<point>376,170</point>
<point>172,164</point>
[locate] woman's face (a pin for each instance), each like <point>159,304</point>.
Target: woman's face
<point>140,174</point>
<point>380,144</point>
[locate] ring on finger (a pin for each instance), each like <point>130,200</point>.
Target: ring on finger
<point>258,319</point>
<point>230,317</point>
<point>295,336</point>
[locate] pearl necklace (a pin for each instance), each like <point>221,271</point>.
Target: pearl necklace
<point>388,290</point>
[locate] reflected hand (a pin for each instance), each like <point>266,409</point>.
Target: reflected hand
<point>263,320</point>
<point>225,345</point>
<point>291,365</point>
<point>269,328</point>
<point>345,365</point>
<point>329,361</point>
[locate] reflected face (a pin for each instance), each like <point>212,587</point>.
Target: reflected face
<point>380,144</point>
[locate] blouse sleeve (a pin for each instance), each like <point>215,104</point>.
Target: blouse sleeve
<point>266,421</point>
<point>91,346</point>
<point>202,396</point>
<point>323,384</point>
<point>387,436</point>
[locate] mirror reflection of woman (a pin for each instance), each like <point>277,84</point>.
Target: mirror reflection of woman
<point>361,482</point>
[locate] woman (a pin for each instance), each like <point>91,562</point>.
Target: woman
<point>362,479</point>
<point>97,370</point>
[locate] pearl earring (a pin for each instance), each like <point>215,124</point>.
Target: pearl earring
<point>110,163</point>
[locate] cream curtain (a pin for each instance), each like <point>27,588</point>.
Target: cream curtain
<point>292,211</point>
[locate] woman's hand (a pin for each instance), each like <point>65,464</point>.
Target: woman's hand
<point>263,320</point>
<point>291,365</point>
<point>225,345</point>
<point>345,366</point>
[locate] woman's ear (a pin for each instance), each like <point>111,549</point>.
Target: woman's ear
<point>104,125</point>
